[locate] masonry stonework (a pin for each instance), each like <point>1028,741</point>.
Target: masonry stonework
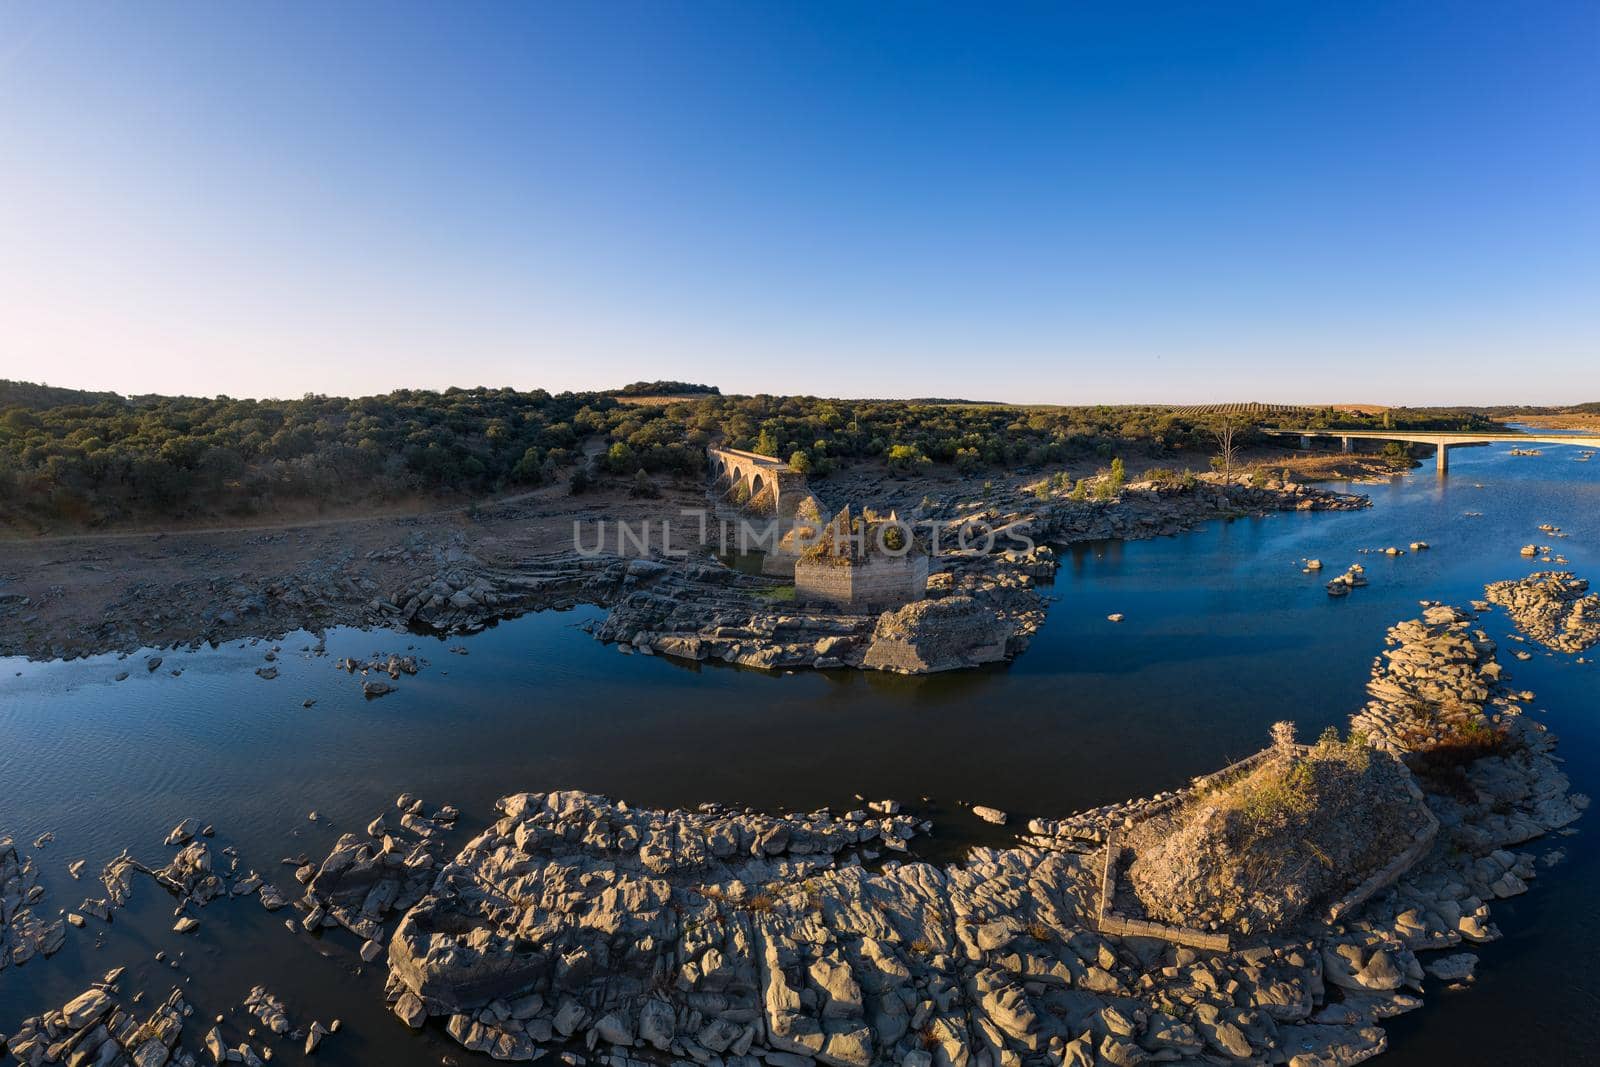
<point>876,583</point>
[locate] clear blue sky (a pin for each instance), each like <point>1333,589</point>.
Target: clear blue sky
<point>1390,201</point>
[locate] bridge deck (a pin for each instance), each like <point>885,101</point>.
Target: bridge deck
<point>755,458</point>
<point>1435,437</point>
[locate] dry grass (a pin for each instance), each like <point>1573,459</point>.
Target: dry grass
<point>1252,853</point>
<point>1572,420</point>
<point>1440,757</point>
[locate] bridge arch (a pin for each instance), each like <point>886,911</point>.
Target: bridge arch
<point>768,482</point>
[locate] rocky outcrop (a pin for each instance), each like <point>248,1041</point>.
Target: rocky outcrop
<point>367,877</point>
<point>96,1028</point>
<point>1554,608</point>
<point>1294,830</point>
<point>722,934</point>
<point>708,612</point>
<point>1433,682</point>
<point>713,933</point>
<point>1144,510</point>
<point>937,635</point>
<point>23,934</point>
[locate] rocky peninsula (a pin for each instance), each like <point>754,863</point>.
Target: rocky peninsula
<point>715,935</point>
<point>1555,608</point>
<point>581,925</point>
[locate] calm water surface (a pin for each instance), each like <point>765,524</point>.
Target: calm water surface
<point>1223,635</point>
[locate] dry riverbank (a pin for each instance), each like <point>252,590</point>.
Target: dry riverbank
<point>458,571</point>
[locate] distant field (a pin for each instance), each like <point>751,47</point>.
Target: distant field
<point>659,401</point>
<point>1253,410</point>
<point>1572,420</point>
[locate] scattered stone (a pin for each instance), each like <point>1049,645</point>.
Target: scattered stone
<point>1555,608</point>
<point>989,815</point>
<point>1458,967</point>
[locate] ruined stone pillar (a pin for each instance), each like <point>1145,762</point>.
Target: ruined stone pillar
<point>1305,441</point>
<point>1344,444</point>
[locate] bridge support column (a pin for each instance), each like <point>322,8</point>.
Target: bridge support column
<point>1344,444</point>
<point>1305,442</point>
<point>1444,459</point>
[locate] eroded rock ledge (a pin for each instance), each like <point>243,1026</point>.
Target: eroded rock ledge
<point>721,936</point>
<point>1554,608</point>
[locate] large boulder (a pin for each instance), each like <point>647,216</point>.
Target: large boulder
<point>937,635</point>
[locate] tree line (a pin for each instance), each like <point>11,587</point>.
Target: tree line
<point>98,458</point>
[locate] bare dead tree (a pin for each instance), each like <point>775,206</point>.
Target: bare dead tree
<point>1227,451</point>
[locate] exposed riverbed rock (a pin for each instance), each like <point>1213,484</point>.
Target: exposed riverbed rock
<point>717,933</point>
<point>936,635</point>
<point>95,1028</point>
<point>1296,828</point>
<point>365,878</point>
<point>23,933</point>
<point>1555,608</point>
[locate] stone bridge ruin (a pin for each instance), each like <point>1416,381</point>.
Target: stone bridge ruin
<point>763,484</point>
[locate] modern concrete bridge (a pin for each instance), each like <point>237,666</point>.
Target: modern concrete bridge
<point>1441,440</point>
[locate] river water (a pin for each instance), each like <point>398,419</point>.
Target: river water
<point>1223,635</point>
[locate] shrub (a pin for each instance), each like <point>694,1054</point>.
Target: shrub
<point>1440,753</point>
<point>907,458</point>
<point>643,485</point>
<point>1160,476</point>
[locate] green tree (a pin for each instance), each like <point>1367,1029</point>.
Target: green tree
<point>907,458</point>
<point>620,459</point>
<point>799,462</point>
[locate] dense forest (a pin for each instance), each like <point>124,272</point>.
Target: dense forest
<point>664,389</point>
<point>97,458</point>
